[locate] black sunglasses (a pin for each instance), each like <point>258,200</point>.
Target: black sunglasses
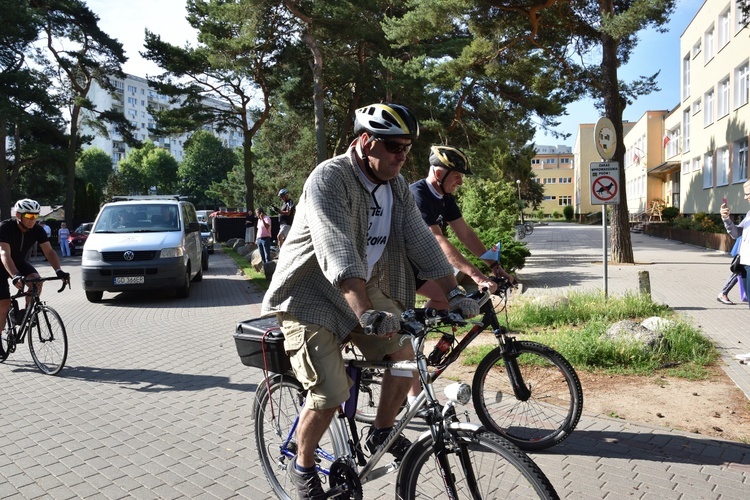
<point>394,147</point>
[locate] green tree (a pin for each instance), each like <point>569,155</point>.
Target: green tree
<point>149,168</point>
<point>205,161</point>
<point>523,62</point>
<point>30,119</point>
<point>227,80</point>
<point>82,54</point>
<point>94,166</point>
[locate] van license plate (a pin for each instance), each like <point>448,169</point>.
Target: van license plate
<point>129,280</point>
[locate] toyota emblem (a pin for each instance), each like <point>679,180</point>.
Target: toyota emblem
<point>128,255</point>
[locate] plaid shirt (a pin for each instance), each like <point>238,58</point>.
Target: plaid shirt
<point>327,245</point>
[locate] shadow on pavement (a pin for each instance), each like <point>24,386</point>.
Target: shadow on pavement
<point>653,447</point>
<point>152,380</point>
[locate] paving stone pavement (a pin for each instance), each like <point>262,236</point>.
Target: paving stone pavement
<point>154,403</point>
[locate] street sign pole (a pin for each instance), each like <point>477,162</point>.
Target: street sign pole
<point>604,185</point>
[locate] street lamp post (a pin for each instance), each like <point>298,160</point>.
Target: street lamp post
<point>520,201</point>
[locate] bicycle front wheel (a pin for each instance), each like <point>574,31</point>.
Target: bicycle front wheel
<point>4,336</point>
<point>553,408</point>
<point>528,227</point>
<point>482,465</point>
<point>48,341</point>
<point>520,232</point>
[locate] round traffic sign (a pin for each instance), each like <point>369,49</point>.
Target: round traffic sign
<point>605,138</point>
<point>604,188</point>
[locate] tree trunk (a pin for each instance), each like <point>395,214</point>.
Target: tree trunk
<point>620,242</point>
<point>318,101</point>
<point>4,184</point>
<point>249,175</point>
<point>70,167</point>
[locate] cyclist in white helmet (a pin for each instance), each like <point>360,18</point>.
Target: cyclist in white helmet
<point>17,235</point>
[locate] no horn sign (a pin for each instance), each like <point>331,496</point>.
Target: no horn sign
<point>605,180</point>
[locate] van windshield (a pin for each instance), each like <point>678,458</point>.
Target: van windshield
<point>138,219</point>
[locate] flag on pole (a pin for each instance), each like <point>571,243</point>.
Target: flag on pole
<point>636,158</point>
<point>666,140</point>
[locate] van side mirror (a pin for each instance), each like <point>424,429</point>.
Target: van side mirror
<point>193,227</point>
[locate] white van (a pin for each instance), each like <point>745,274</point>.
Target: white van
<point>143,244</point>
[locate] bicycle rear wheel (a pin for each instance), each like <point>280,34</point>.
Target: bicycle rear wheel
<point>48,341</point>
<point>551,412</point>
<point>482,465</point>
<point>528,227</point>
<point>520,232</point>
<point>370,386</point>
<point>275,411</point>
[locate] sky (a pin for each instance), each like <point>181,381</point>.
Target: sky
<point>127,20</point>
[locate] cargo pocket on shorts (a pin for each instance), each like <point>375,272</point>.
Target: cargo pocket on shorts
<point>299,355</point>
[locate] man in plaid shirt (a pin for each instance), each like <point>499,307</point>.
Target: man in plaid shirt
<point>346,269</point>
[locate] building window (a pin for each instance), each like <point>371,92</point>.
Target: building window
<point>696,48</point>
<point>696,165</point>
<point>739,172</point>
<point>548,198</point>
<point>549,180</point>
<point>722,166</point>
<point>724,25</point>
<point>536,161</point>
<point>742,16</point>
<point>723,97</point>
<point>686,77</point>
<point>686,130</point>
<point>697,107</point>
<point>550,161</point>
<point>132,89</point>
<point>566,161</point>
<point>709,53</point>
<point>708,109</point>
<point>741,84</point>
<point>133,101</point>
<point>565,200</point>
<point>565,180</point>
<point>708,170</point>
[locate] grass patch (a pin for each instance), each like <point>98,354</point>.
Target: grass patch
<point>255,277</point>
<point>575,329</point>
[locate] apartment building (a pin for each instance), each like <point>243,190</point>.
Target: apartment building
<point>553,167</point>
<point>713,113</point>
<point>134,98</point>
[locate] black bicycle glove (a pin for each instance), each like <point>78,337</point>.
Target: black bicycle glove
<point>379,322</point>
<point>63,275</point>
<point>16,279</point>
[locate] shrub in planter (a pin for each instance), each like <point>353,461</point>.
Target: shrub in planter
<point>670,213</point>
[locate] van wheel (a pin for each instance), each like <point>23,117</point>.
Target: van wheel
<point>183,291</point>
<point>204,260</point>
<point>94,297</point>
<point>199,276</point>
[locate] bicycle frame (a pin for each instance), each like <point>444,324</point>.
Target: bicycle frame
<point>506,343</point>
<point>351,451</point>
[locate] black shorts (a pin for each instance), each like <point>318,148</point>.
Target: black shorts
<point>25,269</point>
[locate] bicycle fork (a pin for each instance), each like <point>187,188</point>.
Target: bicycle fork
<point>510,359</point>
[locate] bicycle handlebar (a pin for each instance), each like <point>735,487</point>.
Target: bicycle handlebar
<point>25,280</point>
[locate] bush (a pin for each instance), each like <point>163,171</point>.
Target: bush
<point>568,212</point>
<point>540,214</point>
<point>555,214</point>
<point>670,213</point>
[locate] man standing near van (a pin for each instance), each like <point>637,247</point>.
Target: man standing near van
<point>286,215</point>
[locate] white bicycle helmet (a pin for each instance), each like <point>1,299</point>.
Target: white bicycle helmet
<point>282,192</point>
<point>386,120</point>
<point>27,206</point>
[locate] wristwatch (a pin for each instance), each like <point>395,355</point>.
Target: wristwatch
<point>459,291</point>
